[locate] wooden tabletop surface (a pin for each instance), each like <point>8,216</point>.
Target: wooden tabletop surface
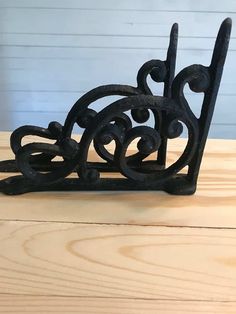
<point>123,252</point>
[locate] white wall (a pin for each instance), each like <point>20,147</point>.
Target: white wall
<point>52,51</point>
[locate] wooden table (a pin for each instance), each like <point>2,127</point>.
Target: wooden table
<point>123,252</point>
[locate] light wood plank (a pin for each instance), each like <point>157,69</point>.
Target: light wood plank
<point>118,266</point>
<point>213,205</point>
<point>117,261</point>
<point>66,305</point>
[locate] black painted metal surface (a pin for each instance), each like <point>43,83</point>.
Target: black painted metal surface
<point>123,122</point>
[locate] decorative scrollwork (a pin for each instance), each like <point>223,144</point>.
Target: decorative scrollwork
<point>25,155</point>
<point>173,127</point>
<point>111,132</point>
<point>140,115</point>
<point>86,118</point>
<point>148,143</point>
<point>199,79</point>
<point>157,70</point>
<point>119,123</point>
<point>23,161</point>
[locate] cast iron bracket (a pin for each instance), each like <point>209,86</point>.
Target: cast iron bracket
<point>123,122</point>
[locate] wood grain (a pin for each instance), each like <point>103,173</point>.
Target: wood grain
<point>213,205</point>
<point>114,253</point>
<point>114,265</point>
<point>63,259</point>
<point>66,305</point>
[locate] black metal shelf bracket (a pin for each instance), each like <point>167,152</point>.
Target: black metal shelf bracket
<point>123,122</point>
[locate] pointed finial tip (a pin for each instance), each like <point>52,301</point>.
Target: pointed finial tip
<point>175,29</point>
<point>175,26</point>
<point>228,20</point>
<point>226,25</point>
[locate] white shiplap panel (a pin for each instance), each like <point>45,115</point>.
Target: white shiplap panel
<point>56,21</point>
<point>51,51</point>
<point>222,131</point>
<point>39,102</point>
<point>93,53</point>
<point>134,5</point>
<point>84,73</point>
<point>147,42</point>
<point>47,69</point>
